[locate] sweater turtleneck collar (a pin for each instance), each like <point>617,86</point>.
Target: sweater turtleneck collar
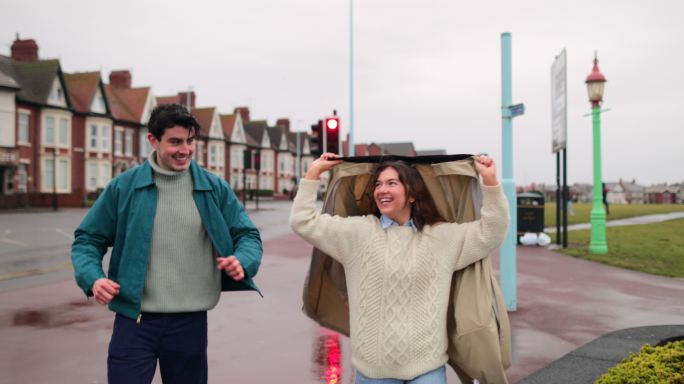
<point>152,158</point>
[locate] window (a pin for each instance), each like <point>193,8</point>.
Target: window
<point>105,175</point>
<point>63,174</point>
<point>129,142</point>
<point>145,146</point>
<point>92,176</point>
<point>105,139</point>
<point>93,136</point>
<point>49,130</point>
<point>118,142</point>
<point>63,131</point>
<point>48,174</point>
<point>235,161</point>
<point>212,154</point>
<point>22,174</point>
<point>23,127</point>
<point>199,152</point>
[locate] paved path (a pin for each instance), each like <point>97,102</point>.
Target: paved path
<point>644,219</point>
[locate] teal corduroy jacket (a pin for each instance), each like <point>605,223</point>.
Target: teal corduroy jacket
<point>123,218</point>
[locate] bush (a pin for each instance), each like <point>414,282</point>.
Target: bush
<point>651,365</point>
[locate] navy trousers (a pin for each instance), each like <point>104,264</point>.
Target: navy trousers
<point>177,340</point>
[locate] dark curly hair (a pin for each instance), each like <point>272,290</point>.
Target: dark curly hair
<point>165,116</point>
<point>423,210</point>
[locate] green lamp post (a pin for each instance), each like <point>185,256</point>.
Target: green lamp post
<point>595,84</point>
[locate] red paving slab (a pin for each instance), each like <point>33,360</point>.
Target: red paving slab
<point>50,333</point>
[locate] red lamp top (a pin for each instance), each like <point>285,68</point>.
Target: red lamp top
<point>595,75</point>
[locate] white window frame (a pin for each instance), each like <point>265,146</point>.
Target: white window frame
<point>91,176</point>
<point>63,137</point>
<point>199,149</point>
<point>49,139</point>
<point>92,142</point>
<point>24,136</point>
<point>62,176</point>
<point>22,177</point>
<point>128,142</point>
<point>118,141</point>
<point>105,138</point>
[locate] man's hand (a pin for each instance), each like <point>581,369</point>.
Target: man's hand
<point>486,168</point>
<point>105,290</point>
<point>232,267</point>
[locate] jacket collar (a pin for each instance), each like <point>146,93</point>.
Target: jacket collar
<point>200,181</point>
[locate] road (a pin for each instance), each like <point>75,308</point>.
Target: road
<point>51,333</point>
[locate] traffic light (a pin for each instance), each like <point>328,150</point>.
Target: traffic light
<point>317,138</point>
<point>332,131</point>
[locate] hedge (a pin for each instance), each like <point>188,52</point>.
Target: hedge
<point>663,364</point>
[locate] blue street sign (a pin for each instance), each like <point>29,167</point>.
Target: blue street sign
<point>517,110</point>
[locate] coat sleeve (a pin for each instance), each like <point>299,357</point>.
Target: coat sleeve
<point>335,235</point>
<point>93,236</point>
<point>475,240</point>
<point>244,234</point>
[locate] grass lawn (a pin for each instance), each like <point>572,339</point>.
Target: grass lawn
<point>617,211</point>
<point>652,248</point>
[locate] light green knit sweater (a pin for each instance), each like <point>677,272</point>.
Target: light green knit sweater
<point>181,275</point>
<point>398,281</point>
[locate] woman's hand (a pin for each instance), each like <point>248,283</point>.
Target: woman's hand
<point>324,163</point>
<point>486,168</point>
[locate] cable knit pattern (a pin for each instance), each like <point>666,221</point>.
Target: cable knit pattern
<point>398,281</point>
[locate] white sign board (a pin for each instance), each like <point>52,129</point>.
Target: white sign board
<point>559,103</point>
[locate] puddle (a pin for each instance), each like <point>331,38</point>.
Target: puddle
<point>327,358</point>
<point>53,317</point>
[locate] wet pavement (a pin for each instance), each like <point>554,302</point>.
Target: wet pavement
<point>51,333</point>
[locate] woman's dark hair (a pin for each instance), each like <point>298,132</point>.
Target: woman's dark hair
<point>165,116</point>
<point>423,210</point>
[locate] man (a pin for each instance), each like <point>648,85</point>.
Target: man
<point>179,238</point>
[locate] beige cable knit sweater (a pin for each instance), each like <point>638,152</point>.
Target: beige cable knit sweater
<point>398,281</point>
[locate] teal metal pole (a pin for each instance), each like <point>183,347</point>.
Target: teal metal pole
<point>508,248</point>
<point>598,244</point>
<point>351,78</point>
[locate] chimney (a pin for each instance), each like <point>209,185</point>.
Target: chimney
<point>120,79</point>
<point>24,50</point>
<point>284,123</point>
<point>243,112</point>
<point>185,97</point>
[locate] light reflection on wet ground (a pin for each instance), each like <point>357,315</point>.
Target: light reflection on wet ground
<point>327,358</point>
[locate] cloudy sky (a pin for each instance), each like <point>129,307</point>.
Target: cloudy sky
<point>427,72</point>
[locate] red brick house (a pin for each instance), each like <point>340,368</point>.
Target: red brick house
<point>131,108</point>
<point>211,145</point>
<point>44,138</point>
<point>91,126</point>
<point>236,144</point>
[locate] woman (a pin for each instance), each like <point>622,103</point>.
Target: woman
<point>399,266</point>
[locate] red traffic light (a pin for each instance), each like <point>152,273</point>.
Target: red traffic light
<point>332,123</point>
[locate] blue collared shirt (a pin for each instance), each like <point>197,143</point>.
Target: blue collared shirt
<point>386,222</point>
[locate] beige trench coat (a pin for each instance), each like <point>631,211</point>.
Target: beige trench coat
<point>478,326</point>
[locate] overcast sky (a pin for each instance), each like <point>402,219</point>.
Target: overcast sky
<point>427,72</point>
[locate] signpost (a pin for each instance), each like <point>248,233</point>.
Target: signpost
<point>559,121</point>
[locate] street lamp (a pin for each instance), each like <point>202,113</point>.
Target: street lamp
<point>595,85</point>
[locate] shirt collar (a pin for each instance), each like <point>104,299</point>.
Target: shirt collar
<point>386,222</point>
